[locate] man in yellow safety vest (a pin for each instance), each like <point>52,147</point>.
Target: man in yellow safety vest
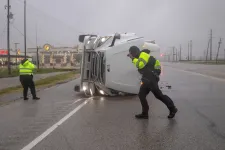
<point>26,78</point>
<point>149,82</point>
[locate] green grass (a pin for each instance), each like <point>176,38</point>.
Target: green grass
<point>49,81</point>
<point>15,71</point>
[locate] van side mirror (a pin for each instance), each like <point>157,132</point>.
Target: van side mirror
<point>116,36</point>
<point>81,38</point>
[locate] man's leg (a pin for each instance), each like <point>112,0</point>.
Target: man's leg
<point>32,88</point>
<point>165,99</point>
<point>24,83</point>
<point>144,90</point>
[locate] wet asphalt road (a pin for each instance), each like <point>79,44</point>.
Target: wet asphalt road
<point>109,124</point>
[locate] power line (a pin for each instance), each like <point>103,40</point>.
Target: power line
<point>28,37</point>
<point>22,33</point>
<point>49,16</point>
<point>2,35</point>
<point>4,30</point>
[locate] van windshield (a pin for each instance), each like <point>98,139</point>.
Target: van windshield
<point>102,40</point>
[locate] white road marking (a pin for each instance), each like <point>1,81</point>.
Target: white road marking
<point>199,74</point>
<point>52,128</point>
<point>77,101</point>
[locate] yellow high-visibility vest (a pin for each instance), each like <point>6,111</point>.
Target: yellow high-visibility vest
<point>141,61</point>
<point>26,68</point>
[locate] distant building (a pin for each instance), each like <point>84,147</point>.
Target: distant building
<point>15,57</point>
<point>55,56</point>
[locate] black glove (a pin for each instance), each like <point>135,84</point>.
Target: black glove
<point>129,55</point>
<point>158,71</point>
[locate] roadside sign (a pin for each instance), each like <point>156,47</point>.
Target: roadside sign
<point>3,52</point>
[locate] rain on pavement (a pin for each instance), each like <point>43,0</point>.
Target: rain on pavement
<point>109,122</point>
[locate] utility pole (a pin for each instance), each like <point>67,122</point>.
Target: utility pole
<point>9,15</point>
<point>25,32</point>
<point>204,55</point>
<point>218,49</point>
<point>169,57</point>
<point>191,50</point>
<point>16,50</point>
<point>180,53</point>
<point>207,51</point>
<point>210,57</point>
<point>36,35</point>
<point>224,54</point>
<point>173,54</point>
<point>176,54</point>
<point>188,50</point>
<point>38,57</point>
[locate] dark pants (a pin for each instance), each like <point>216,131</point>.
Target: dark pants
<point>145,88</point>
<point>27,82</point>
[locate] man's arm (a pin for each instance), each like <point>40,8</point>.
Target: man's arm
<point>32,66</point>
<point>146,51</point>
<point>139,63</point>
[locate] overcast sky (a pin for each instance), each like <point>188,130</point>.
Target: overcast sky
<point>169,22</point>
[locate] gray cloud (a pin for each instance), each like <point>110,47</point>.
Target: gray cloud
<point>170,23</point>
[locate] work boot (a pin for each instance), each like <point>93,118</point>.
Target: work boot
<point>25,98</point>
<point>36,98</point>
<point>173,111</point>
<point>141,116</point>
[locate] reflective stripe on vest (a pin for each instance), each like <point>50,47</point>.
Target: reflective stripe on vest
<point>24,73</point>
<point>140,60</point>
<point>25,69</point>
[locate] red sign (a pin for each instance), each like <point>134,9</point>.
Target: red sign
<point>3,52</point>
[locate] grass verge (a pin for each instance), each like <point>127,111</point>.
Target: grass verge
<point>15,71</point>
<point>46,82</point>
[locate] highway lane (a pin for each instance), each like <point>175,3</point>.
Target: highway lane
<point>22,121</point>
<point>104,123</point>
<point>211,70</point>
